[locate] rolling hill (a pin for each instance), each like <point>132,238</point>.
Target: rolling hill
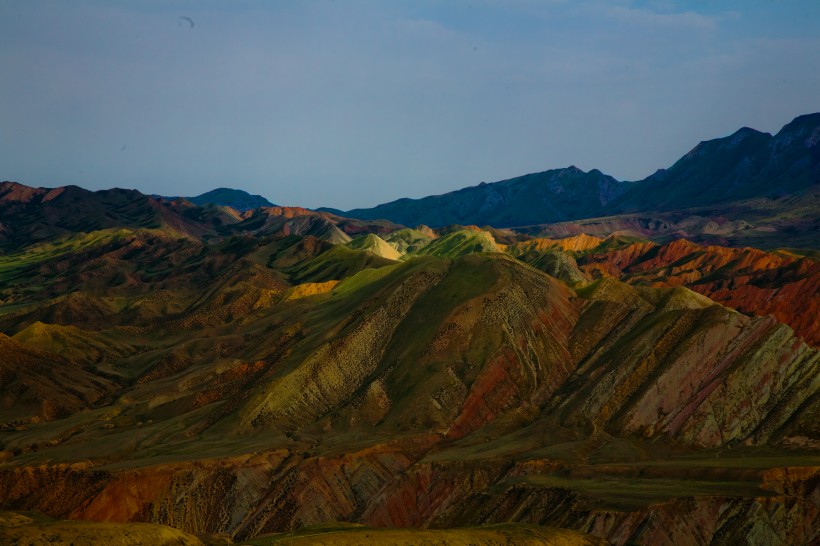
<point>256,384</point>
<point>175,373</point>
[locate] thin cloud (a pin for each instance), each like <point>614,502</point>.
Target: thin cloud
<point>686,20</point>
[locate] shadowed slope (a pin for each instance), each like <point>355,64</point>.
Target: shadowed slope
<point>73,343</point>
<point>41,386</point>
<point>39,214</point>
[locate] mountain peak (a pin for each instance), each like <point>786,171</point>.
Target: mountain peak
<point>745,132</point>
<point>742,135</point>
<point>746,164</point>
<point>549,196</point>
<point>13,191</point>
<point>229,197</point>
<point>806,119</point>
<point>806,126</point>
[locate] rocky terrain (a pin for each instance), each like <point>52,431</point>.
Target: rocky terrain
<point>176,373</point>
<point>781,283</point>
<point>253,384</point>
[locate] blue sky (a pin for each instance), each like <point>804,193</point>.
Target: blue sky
<point>347,104</point>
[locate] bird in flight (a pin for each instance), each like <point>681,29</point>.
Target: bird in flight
<point>188,20</point>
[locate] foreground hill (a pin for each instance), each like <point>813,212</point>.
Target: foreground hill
<point>259,382</point>
<point>21,529</point>
<point>350,535</point>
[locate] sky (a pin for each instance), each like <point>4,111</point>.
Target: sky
<point>354,103</point>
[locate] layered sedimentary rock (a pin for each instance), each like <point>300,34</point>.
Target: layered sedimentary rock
<point>251,382</point>
<point>781,283</point>
<point>439,392</point>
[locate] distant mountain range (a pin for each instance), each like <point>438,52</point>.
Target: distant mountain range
<point>747,189</point>
<point>30,215</point>
<point>550,196</point>
<point>745,165</point>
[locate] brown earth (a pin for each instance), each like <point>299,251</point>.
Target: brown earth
<point>254,385</point>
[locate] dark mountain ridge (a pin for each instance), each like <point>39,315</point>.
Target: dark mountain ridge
<point>550,196</point>
<point>35,214</point>
<point>746,165</point>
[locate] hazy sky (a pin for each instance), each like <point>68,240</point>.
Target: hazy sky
<point>345,104</point>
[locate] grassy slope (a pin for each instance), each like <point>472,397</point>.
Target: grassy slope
<point>459,243</point>
<point>487,536</point>
<point>407,240</point>
<point>376,245</point>
<point>337,263</point>
<point>25,529</point>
